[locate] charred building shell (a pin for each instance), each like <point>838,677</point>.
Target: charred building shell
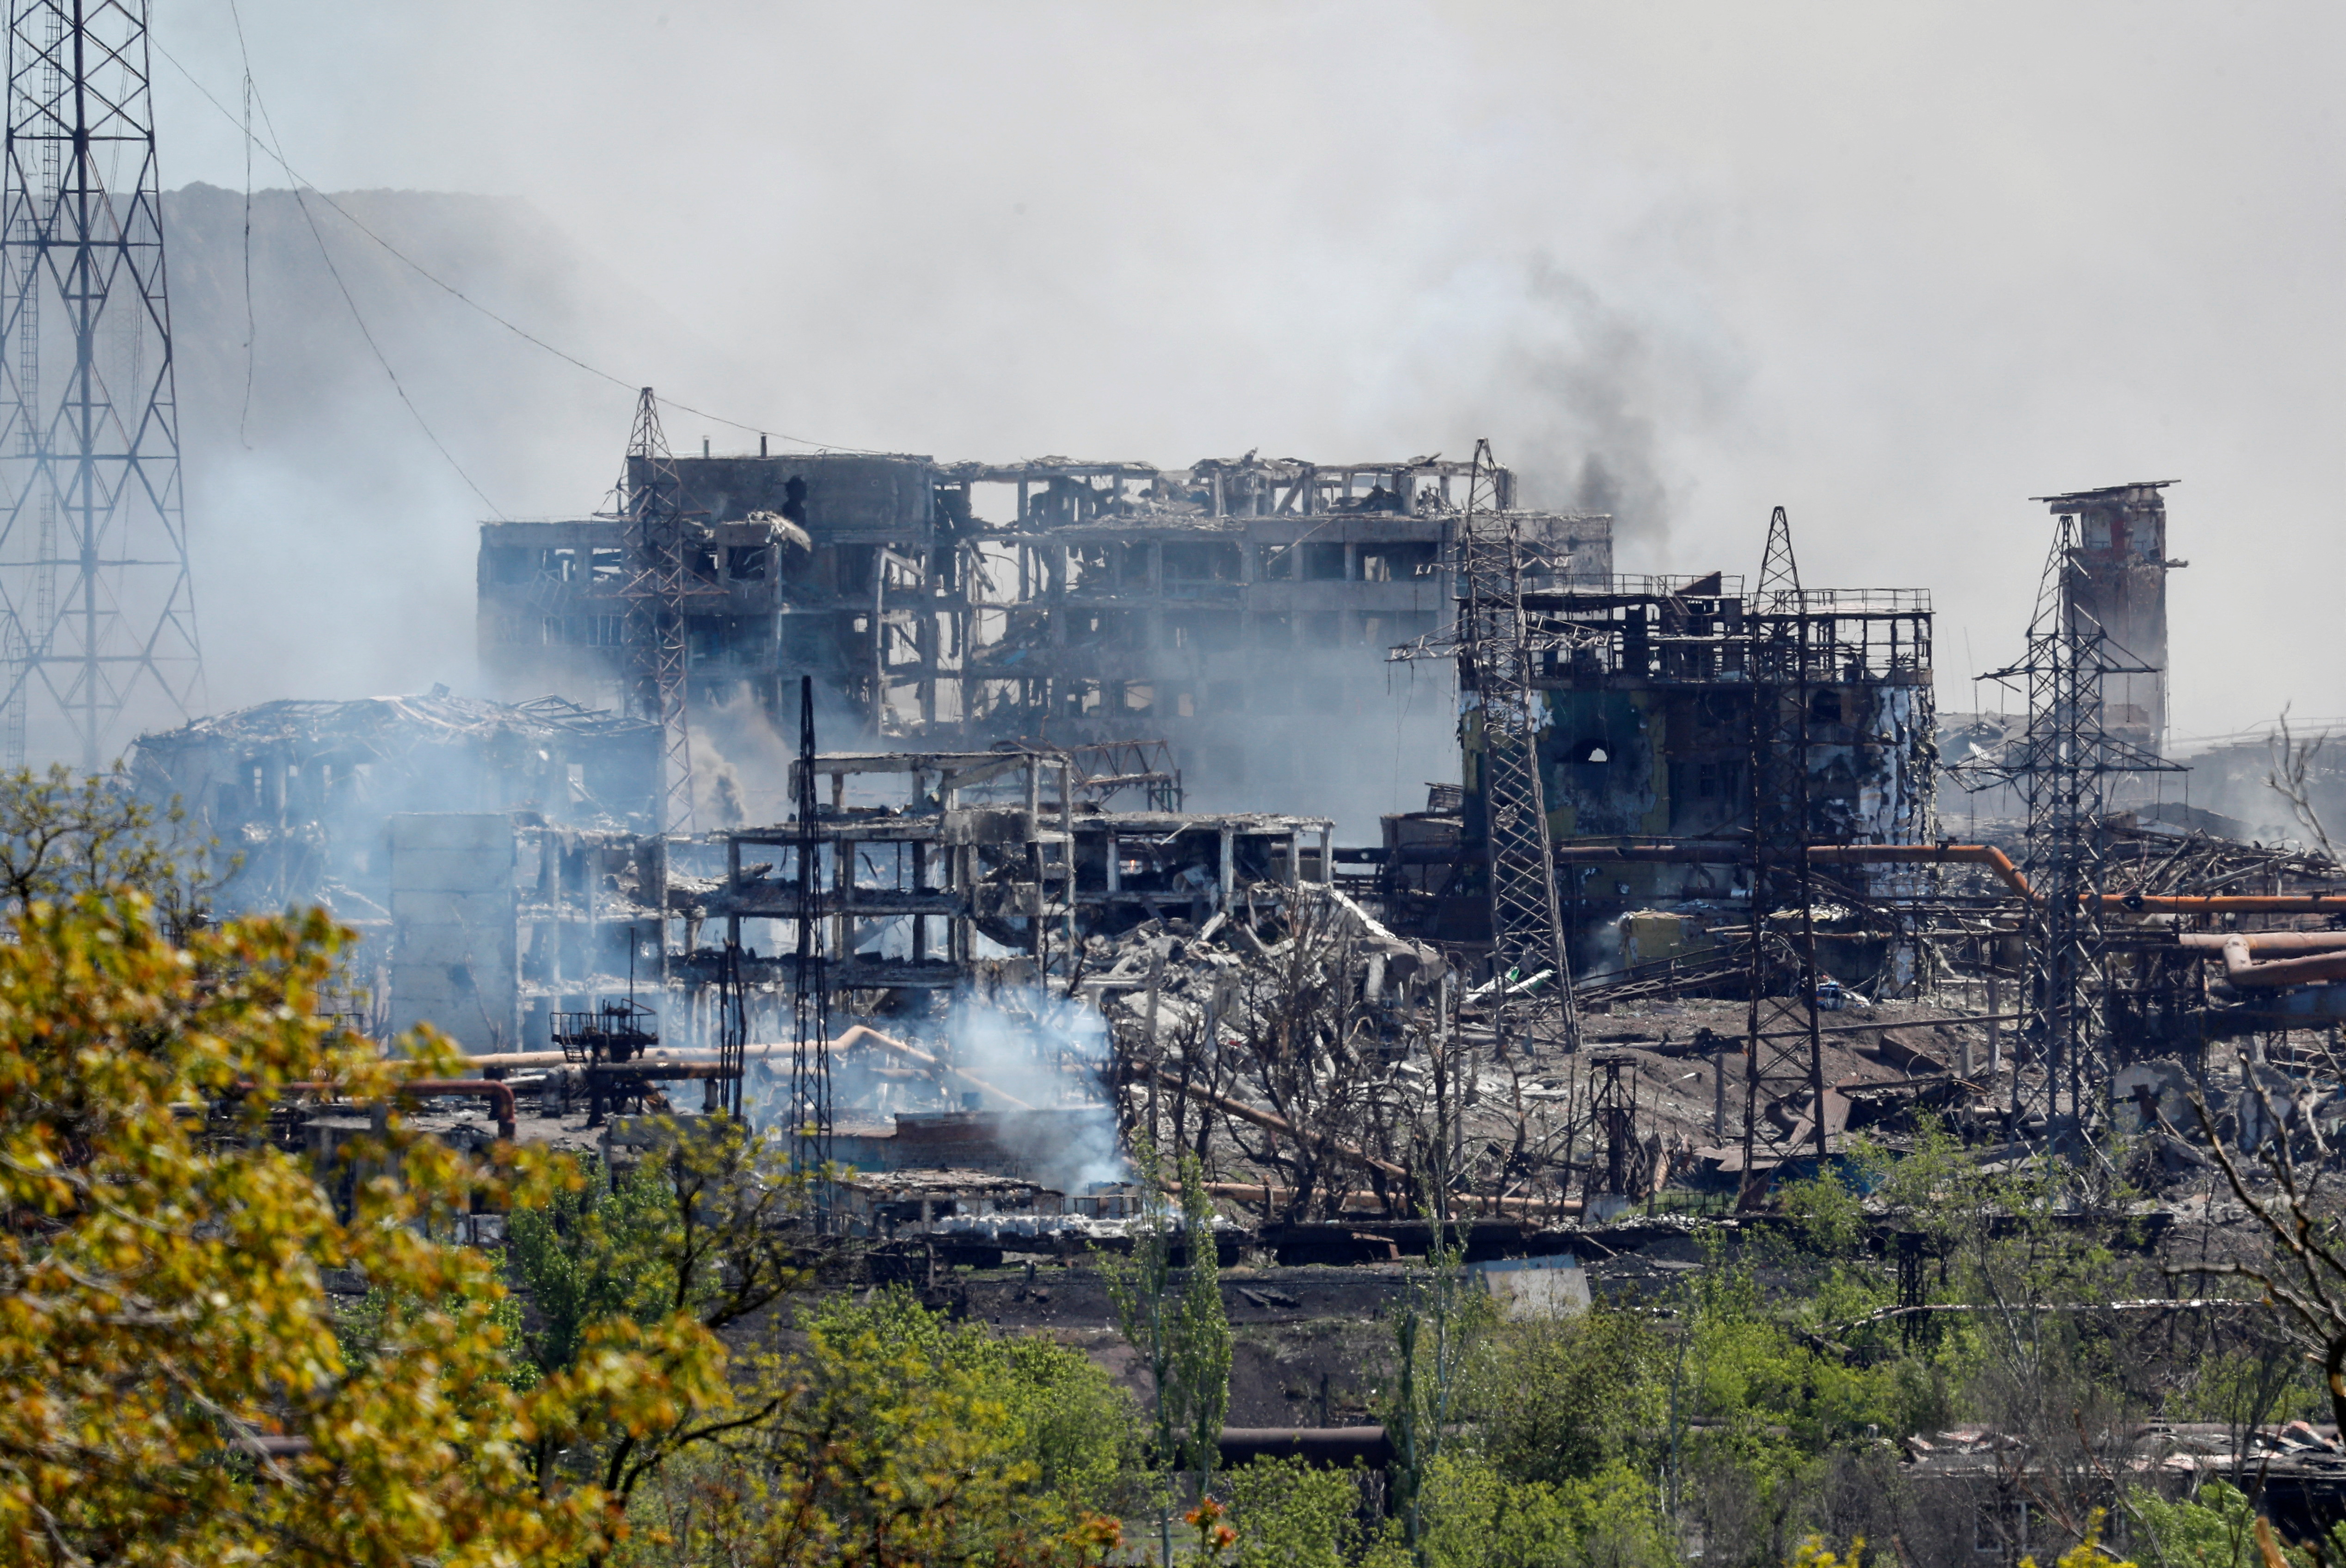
<point>970,603</point>
<point>2116,584</point>
<point>1649,732</point>
<point>300,792</point>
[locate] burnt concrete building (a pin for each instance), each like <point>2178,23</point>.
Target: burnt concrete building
<point>1239,609</point>
<point>298,793</point>
<point>1648,749</point>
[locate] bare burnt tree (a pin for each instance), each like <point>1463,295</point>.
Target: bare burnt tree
<point>2303,1274</point>
<point>2295,766</point>
<point>1296,1042</point>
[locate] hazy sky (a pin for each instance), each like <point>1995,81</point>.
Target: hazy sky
<point>1896,267</point>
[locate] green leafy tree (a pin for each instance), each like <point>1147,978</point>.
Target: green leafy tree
<point>699,1237</point>
<point>894,1439</point>
<point>64,836</point>
<point>1183,1334</point>
<point>1294,1515</point>
<point>1434,1330</point>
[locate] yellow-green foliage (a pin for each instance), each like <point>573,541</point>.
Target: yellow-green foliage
<point>1479,1519</point>
<point>160,1302</point>
<point>2217,1529</point>
<point>1556,1399</point>
<point>1291,1514</point>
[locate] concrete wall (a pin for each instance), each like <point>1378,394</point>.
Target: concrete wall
<point>452,927</point>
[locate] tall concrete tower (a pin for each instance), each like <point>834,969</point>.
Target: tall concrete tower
<point>2117,581</point>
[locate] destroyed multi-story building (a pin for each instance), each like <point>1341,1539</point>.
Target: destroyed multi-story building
<point>1238,609</point>
<point>297,793</point>
<point>1648,747</point>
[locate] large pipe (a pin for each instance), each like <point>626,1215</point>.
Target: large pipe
<point>2263,942</point>
<point>2243,971</point>
<point>498,1094</point>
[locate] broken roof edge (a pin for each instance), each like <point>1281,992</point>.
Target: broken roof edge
<point>434,715</point>
<point>2106,492</point>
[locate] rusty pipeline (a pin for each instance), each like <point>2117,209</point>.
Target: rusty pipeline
<point>2242,969</point>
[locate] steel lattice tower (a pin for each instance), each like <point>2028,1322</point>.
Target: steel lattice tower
<point>657,610</point>
<point>1495,647</point>
<point>2063,769</point>
<point>1785,1065</point>
<point>97,616</point>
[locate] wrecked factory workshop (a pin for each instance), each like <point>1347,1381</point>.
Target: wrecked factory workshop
<point>1291,786</point>
<point>977,835</point>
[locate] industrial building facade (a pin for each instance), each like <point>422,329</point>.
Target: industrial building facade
<point>1235,608</point>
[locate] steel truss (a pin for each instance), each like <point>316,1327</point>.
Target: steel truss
<point>2063,769</point>
<point>1496,657</point>
<point>661,586</point>
<point>1784,1059</point>
<point>98,617</point>
<point>811,1118</point>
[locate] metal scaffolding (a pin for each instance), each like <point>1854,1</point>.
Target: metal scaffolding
<point>97,616</point>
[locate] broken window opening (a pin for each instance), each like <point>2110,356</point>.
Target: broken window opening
<point>1586,751</point>
<point>1824,706</point>
<point>1324,562</point>
<point>1205,561</point>
<point>747,562</point>
<point>1277,564</point>
<point>504,563</point>
<point>606,566</point>
<point>1399,562</point>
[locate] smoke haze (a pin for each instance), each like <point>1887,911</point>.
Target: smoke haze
<point>1896,268</point>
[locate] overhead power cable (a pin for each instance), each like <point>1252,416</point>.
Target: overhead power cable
<point>252,95</point>
<point>458,294</point>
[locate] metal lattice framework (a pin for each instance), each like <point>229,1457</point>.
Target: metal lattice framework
<point>659,589</point>
<point>811,1103</point>
<point>1494,651</point>
<point>2063,769</point>
<point>98,619</point>
<point>1784,1066</point>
